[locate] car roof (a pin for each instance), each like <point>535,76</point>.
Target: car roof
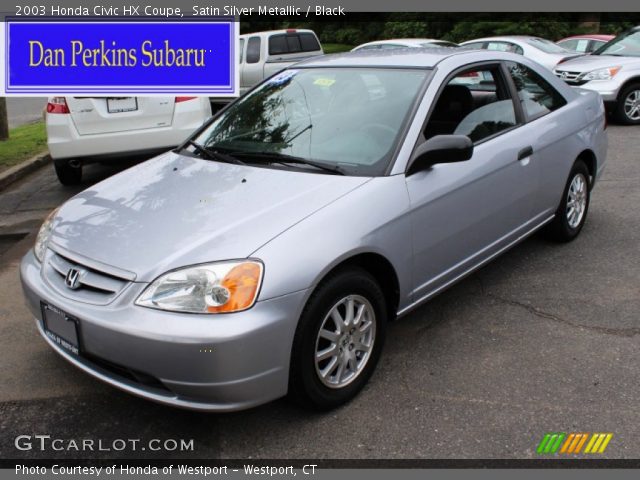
<point>398,58</point>
<point>504,37</point>
<point>272,32</point>
<point>590,36</point>
<point>411,41</point>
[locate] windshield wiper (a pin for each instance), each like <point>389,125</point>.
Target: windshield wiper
<point>308,127</point>
<point>212,154</point>
<point>276,157</point>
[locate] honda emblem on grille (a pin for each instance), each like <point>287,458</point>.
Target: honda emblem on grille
<point>564,75</point>
<point>72,280</point>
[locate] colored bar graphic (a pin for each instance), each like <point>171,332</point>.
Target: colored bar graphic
<point>543,443</point>
<point>565,447</point>
<point>572,443</point>
<point>605,442</point>
<point>551,443</point>
<point>581,443</point>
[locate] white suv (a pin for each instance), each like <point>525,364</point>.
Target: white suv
<point>614,72</point>
<point>86,129</point>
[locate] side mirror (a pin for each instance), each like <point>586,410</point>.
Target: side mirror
<point>440,149</point>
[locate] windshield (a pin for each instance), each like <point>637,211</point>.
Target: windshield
<point>349,118</point>
<point>546,46</point>
<point>627,44</point>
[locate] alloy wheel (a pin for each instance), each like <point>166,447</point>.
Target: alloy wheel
<point>576,200</point>
<point>632,105</point>
<point>345,341</point>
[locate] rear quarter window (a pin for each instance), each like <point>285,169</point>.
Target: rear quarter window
<point>536,95</point>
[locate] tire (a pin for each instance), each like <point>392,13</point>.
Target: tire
<point>355,287</point>
<point>627,109</point>
<point>68,174</point>
<point>568,223</point>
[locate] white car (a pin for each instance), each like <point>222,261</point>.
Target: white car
<point>89,129</point>
<point>404,43</point>
<point>540,50</point>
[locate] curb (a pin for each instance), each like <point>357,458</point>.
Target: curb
<point>18,172</point>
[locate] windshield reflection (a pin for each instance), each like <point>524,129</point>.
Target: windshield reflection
<point>347,117</point>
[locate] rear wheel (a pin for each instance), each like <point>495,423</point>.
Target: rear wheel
<point>574,205</point>
<point>69,173</point>
<point>628,107</point>
<point>338,341</point>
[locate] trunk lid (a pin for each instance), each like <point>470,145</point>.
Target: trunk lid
<point>96,115</point>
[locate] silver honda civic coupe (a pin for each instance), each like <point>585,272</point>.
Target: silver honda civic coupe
<point>266,255</point>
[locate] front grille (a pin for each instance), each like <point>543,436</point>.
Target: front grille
<point>93,286</point>
<point>570,77</point>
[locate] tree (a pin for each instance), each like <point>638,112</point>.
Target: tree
<point>4,120</point>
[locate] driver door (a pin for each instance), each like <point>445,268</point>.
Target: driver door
<point>463,213</point>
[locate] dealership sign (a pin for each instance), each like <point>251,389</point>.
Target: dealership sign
<point>73,57</point>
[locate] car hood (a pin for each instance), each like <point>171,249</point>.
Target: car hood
<point>176,210</point>
<point>588,63</point>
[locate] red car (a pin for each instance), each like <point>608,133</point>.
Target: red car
<point>585,43</point>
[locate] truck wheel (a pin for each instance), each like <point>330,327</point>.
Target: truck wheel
<point>627,109</point>
<point>68,173</point>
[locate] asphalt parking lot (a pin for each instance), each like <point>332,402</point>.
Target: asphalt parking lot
<point>544,339</point>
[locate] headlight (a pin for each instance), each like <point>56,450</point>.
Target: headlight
<point>212,288</point>
<point>42,240</point>
<point>601,74</point>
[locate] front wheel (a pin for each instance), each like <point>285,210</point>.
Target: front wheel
<point>338,340</point>
<point>574,205</point>
<point>628,107</point>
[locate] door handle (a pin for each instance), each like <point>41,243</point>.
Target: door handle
<point>525,152</point>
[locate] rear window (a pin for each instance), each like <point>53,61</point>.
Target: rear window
<point>253,50</point>
<point>293,43</point>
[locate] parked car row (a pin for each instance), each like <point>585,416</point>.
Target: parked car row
<point>82,129</point>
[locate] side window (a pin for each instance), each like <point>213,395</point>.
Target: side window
<point>476,103</point>
<point>476,46</point>
<point>505,47</point>
<point>253,50</point>
<point>537,96</point>
<point>241,52</point>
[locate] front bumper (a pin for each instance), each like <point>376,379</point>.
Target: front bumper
<point>201,362</point>
<point>608,90</point>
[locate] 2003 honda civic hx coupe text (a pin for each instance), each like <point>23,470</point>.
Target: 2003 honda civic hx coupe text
<point>267,253</point>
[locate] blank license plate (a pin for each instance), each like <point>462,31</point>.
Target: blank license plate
<point>119,105</point>
<point>61,328</point>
